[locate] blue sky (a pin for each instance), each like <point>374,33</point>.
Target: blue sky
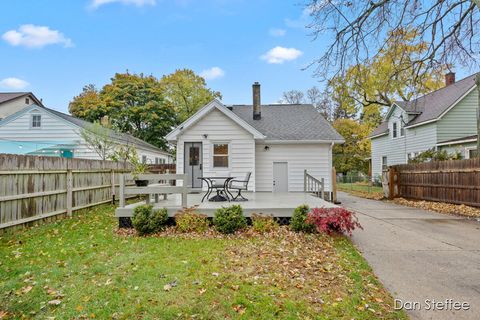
<point>55,47</point>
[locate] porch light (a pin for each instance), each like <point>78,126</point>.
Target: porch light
<point>266,148</point>
<point>205,135</point>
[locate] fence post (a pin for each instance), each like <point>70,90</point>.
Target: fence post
<point>112,179</point>
<point>334,185</point>
<point>69,192</point>
<point>391,183</point>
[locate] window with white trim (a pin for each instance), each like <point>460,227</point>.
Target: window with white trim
<point>384,163</point>
<point>36,121</point>
<point>144,159</point>
<point>394,130</point>
<point>220,155</point>
<point>402,129</point>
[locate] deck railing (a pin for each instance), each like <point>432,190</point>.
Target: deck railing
<point>313,185</point>
<point>162,186</point>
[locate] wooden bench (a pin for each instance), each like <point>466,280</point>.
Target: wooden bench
<point>161,186</point>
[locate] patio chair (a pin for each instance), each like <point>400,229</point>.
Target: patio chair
<point>240,185</point>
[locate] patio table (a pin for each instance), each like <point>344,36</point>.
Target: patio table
<point>223,189</point>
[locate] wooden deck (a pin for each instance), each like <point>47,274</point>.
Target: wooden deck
<point>277,204</point>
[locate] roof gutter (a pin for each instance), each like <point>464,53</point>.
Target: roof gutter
<point>456,142</point>
<point>338,141</point>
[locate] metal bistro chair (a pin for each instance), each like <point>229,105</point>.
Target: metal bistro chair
<point>240,185</point>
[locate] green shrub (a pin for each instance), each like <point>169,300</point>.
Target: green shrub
<point>264,223</point>
<point>298,221</point>
<point>146,220</point>
<point>229,219</point>
<point>190,221</point>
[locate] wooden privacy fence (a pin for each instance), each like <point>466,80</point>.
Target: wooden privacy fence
<point>454,181</point>
<point>162,168</point>
<point>33,188</point>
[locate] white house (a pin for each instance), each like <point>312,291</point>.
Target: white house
<point>12,102</point>
<point>276,143</point>
<point>37,130</point>
<point>445,119</point>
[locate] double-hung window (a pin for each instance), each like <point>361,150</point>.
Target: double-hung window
<point>220,155</point>
<point>384,163</point>
<point>395,130</point>
<point>36,121</point>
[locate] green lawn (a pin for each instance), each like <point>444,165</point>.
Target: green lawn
<point>81,268</point>
<point>362,187</point>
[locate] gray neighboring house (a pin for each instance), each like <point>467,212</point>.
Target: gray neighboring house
<point>275,143</point>
<point>444,119</point>
<point>12,102</point>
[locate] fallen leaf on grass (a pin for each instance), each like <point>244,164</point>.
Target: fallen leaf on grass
<point>167,287</point>
<point>239,309</point>
<point>26,289</point>
<point>3,314</point>
<point>202,291</point>
<point>55,302</point>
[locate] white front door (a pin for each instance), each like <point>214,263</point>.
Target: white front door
<point>280,177</point>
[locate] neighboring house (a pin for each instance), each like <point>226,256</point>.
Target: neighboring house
<point>444,119</point>
<point>37,130</point>
<point>276,143</point>
<point>12,102</point>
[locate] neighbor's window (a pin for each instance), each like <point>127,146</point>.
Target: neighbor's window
<point>220,155</point>
<point>144,159</point>
<point>394,130</point>
<point>402,129</point>
<point>384,163</point>
<point>472,153</point>
<point>27,101</point>
<point>36,121</point>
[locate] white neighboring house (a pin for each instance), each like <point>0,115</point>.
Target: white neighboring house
<point>12,102</point>
<point>276,143</point>
<point>37,130</point>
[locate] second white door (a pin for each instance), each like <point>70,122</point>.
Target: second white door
<point>280,177</point>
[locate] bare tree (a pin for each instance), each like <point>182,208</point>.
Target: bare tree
<point>360,29</point>
<point>321,101</point>
<point>99,139</point>
<point>293,97</point>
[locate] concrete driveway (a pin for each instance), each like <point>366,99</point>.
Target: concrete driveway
<point>420,255</point>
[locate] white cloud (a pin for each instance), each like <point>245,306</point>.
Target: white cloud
<point>279,55</point>
<point>276,32</point>
<point>14,83</point>
<point>139,3</point>
<point>212,73</point>
<point>33,36</point>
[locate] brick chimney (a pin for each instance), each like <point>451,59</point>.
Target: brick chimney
<point>257,109</point>
<point>449,78</point>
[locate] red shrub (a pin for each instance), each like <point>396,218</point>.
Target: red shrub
<point>331,220</point>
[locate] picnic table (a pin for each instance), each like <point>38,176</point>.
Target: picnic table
<point>223,194</point>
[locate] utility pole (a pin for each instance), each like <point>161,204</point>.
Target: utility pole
<point>477,81</point>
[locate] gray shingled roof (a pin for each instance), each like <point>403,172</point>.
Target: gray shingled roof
<point>7,96</point>
<point>289,122</point>
<point>432,105</point>
<point>118,136</point>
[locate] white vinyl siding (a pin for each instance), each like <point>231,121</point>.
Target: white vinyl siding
<point>315,158</point>
<point>216,127</point>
